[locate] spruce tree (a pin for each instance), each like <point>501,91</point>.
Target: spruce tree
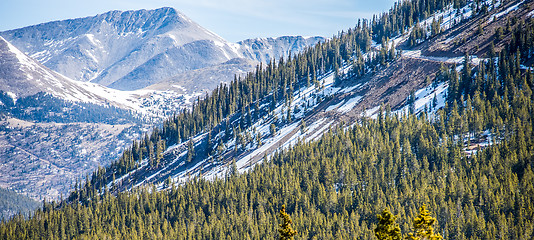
<point>286,230</point>
<point>422,225</point>
<point>190,150</point>
<point>273,129</point>
<point>387,229</point>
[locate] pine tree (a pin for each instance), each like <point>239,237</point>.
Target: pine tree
<point>411,102</point>
<point>303,127</point>
<point>422,225</point>
<point>387,229</point>
<point>273,129</point>
<point>151,156</point>
<point>190,150</point>
<point>286,230</point>
<point>160,148</point>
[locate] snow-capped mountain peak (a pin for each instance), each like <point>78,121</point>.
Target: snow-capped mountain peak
<point>110,47</point>
<point>130,50</point>
<point>266,49</point>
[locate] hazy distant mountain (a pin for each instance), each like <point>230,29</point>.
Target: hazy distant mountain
<point>205,79</point>
<point>119,45</point>
<point>134,49</point>
<point>266,49</point>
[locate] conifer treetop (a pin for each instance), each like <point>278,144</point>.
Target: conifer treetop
<point>286,230</point>
<point>387,229</point>
<point>422,225</point>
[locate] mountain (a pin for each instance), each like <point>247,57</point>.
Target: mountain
<point>266,49</point>
<point>275,108</point>
<point>22,76</point>
<point>134,49</point>
<point>422,113</point>
<point>206,79</point>
<point>119,46</point>
<point>54,130</point>
<point>12,203</point>
<point>168,57</point>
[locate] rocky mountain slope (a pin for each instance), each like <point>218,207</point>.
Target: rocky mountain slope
<point>54,130</point>
<point>12,203</point>
<point>22,76</point>
<point>404,84</point>
<point>108,47</point>
<point>419,107</point>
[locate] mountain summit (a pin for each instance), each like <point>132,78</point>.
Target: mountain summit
<point>129,50</point>
<point>120,48</point>
<point>51,78</point>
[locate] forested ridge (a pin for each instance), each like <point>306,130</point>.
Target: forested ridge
<point>470,163</point>
<point>336,186</point>
<point>44,107</point>
<point>235,106</point>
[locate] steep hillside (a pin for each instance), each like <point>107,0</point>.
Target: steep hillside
<point>107,47</point>
<point>206,79</point>
<point>12,203</point>
<point>21,76</point>
<point>54,130</point>
<point>334,136</point>
<point>85,124</point>
<point>312,104</point>
<point>44,160</point>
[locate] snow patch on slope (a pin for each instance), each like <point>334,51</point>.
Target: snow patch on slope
<point>505,12</point>
<point>349,105</point>
<point>431,98</point>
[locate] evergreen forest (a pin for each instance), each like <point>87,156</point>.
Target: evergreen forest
<point>469,163</point>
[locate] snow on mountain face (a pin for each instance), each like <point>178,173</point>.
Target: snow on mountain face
<point>319,108</point>
<point>22,76</point>
<point>134,49</point>
<point>191,56</point>
<point>110,46</point>
<point>42,158</point>
<point>265,49</point>
<point>205,79</point>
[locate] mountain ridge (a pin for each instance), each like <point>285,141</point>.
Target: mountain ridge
<point>329,101</point>
<point>366,122</point>
<point>130,50</point>
<point>106,47</point>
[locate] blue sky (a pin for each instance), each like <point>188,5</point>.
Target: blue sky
<point>234,20</point>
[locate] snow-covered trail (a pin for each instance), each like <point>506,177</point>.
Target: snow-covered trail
<point>457,60</point>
